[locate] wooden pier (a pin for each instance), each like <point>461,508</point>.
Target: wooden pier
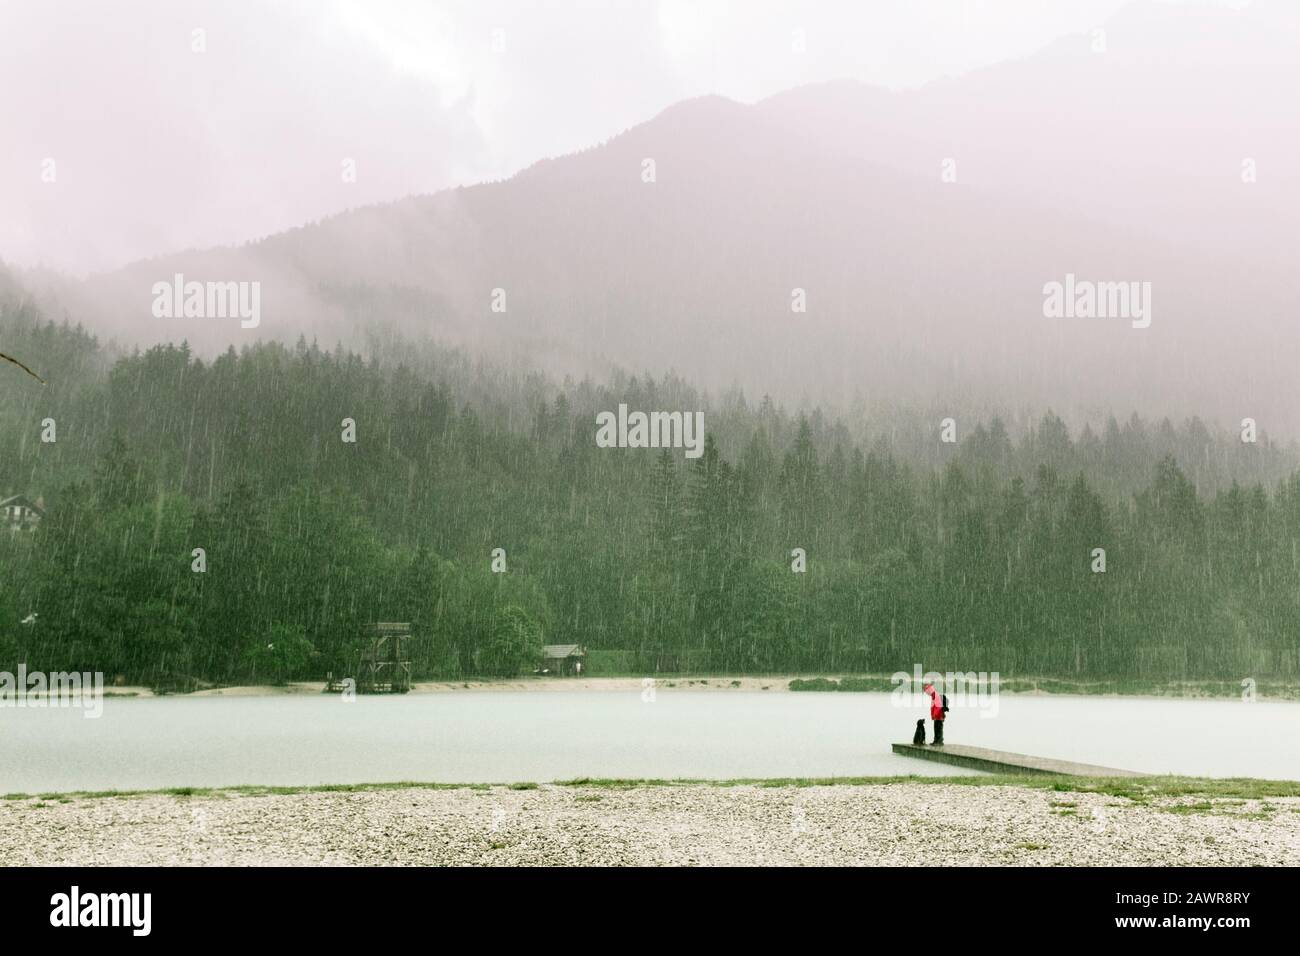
<point>999,761</point>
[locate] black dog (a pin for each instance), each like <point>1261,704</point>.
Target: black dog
<point>918,738</point>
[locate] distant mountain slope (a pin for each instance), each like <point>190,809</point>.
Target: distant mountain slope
<point>1114,167</point>
<point>1151,133</point>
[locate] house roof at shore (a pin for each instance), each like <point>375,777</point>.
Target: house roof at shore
<point>560,651</point>
<point>22,500</point>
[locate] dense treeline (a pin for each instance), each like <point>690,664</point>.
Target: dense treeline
<point>973,556</point>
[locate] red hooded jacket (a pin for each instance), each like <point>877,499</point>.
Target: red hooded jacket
<point>936,702</point>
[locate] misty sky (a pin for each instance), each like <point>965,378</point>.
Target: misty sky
<point>158,148</point>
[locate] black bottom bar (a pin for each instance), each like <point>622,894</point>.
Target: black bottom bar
<point>301,906</point>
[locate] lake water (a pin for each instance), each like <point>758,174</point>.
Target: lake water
<point>502,736</point>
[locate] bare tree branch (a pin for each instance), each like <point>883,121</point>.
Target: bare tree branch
<point>10,358</point>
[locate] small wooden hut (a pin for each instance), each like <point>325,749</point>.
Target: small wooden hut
<point>565,660</point>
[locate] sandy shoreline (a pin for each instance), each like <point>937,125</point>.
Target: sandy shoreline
<point>902,824</point>
<point>775,684</point>
<point>538,684</point>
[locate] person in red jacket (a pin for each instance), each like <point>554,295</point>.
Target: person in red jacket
<point>936,714</point>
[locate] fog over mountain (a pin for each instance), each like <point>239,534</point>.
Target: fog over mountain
<point>921,227</point>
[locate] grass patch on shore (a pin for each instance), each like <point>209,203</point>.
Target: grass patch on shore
<point>1224,808</point>
<point>258,790</point>
<point>1136,789</point>
<point>1215,689</point>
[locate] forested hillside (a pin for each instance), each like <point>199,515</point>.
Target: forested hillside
<point>973,556</point>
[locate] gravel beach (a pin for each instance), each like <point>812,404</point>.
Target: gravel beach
<point>899,824</point>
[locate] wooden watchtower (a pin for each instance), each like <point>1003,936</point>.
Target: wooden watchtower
<point>385,663</point>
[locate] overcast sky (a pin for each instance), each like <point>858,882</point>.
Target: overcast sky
<point>127,134</point>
